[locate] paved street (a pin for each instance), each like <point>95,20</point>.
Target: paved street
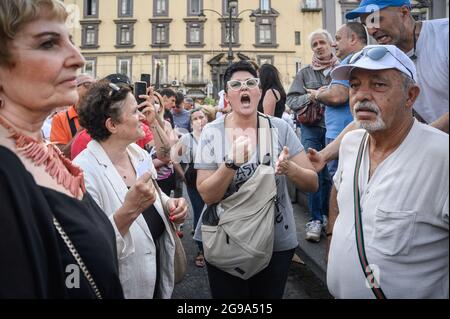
<point>302,282</point>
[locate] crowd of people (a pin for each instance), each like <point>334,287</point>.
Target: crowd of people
<point>87,173</point>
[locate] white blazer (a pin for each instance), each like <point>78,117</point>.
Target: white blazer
<point>136,250</point>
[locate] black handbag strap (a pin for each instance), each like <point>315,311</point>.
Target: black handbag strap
<point>165,208</point>
<point>374,285</point>
<point>192,148</point>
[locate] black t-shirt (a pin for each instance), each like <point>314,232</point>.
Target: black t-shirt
<point>35,262</point>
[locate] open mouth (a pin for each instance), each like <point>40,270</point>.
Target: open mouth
<point>245,100</point>
<point>382,39</point>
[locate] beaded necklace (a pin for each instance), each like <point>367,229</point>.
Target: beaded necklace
<point>56,164</point>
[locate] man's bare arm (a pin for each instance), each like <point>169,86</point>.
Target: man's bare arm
<point>330,152</point>
<point>335,95</point>
<point>333,212</point>
<point>441,123</point>
<point>161,142</point>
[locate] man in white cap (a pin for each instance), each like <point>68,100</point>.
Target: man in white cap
<point>390,238</point>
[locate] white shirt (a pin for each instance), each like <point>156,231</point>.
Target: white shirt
<point>404,217</point>
<point>432,65</point>
<point>46,127</point>
<point>136,250</point>
<point>190,144</point>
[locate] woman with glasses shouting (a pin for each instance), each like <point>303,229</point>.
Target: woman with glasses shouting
<point>226,160</point>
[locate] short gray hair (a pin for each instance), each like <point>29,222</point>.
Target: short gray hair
<point>323,33</point>
<point>407,81</point>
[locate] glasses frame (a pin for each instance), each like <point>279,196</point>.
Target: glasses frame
<point>372,53</point>
<point>244,83</point>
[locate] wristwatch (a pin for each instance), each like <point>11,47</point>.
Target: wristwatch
<point>229,163</point>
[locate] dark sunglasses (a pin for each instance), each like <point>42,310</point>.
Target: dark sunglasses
<point>114,88</point>
<point>376,54</point>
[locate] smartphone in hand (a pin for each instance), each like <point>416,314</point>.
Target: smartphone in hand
<point>140,88</point>
<point>145,77</point>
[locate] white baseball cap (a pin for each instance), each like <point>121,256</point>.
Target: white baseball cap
<point>377,57</point>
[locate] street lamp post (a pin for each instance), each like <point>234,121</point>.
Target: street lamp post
<point>232,5</point>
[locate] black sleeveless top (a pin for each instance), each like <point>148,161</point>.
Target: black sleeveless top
<point>157,228</point>
<point>154,222</point>
<point>279,107</point>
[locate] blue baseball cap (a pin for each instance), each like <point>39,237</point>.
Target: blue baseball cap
<point>369,6</point>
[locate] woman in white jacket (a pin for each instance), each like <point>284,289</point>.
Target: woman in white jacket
<point>112,165</point>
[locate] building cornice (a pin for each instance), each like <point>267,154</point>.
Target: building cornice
<point>96,21</point>
<point>190,52</point>
<point>194,20</point>
<point>124,20</point>
<point>160,20</point>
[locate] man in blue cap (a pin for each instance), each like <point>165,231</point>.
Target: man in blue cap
<point>426,43</point>
<point>390,237</point>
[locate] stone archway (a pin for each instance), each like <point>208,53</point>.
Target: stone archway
<point>219,64</point>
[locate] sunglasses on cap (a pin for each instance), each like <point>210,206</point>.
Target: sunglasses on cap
<point>376,54</point>
<point>237,85</point>
<point>115,89</point>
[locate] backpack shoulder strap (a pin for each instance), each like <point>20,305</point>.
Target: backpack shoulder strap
<point>265,140</point>
<point>73,128</point>
<point>365,265</point>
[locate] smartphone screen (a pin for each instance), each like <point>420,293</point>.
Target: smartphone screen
<point>140,88</point>
<point>146,78</point>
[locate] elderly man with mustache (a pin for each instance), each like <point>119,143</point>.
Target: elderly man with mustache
<point>390,237</point>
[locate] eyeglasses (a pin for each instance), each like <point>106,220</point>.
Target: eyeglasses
<point>377,53</point>
<point>237,85</point>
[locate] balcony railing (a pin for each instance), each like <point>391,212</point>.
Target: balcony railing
<point>195,80</point>
<point>311,5</point>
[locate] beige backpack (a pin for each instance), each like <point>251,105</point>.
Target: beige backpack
<point>242,242</point>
